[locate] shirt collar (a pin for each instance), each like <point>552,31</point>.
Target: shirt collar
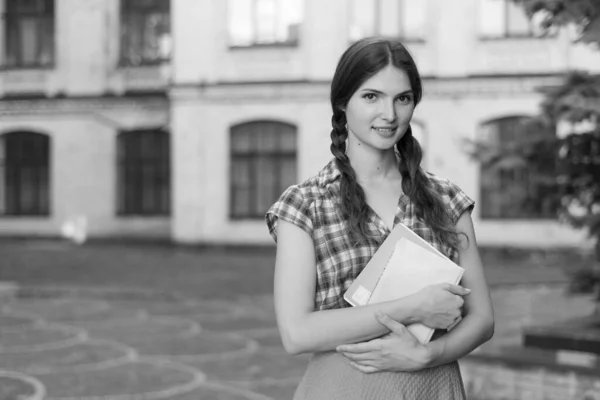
<point>330,173</point>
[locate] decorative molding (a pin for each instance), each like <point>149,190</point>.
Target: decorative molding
<point>297,91</point>
<point>25,80</point>
<point>232,92</point>
<point>30,106</point>
<point>146,77</point>
<point>488,85</point>
<point>264,91</point>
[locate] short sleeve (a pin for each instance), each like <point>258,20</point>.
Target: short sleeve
<point>292,207</point>
<point>459,201</point>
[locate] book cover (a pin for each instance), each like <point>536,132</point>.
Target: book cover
<point>359,292</point>
<point>404,264</point>
<point>410,269</point>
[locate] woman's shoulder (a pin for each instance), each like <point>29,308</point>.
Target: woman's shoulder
<point>297,203</point>
<point>455,198</point>
<point>442,184</point>
<point>304,193</point>
<point>317,185</point>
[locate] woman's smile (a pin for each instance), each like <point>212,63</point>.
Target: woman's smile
<point>386,131</point>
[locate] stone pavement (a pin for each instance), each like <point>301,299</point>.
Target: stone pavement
<point>118,347</point>
<point>128,322</point>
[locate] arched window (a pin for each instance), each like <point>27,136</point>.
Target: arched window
<point>143,173</point>
<point>24,174</point>
<point>514,175</point>
<point>263,165</point>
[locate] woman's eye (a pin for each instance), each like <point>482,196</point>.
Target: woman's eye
<point>370,96</point>
<point>404,99</point>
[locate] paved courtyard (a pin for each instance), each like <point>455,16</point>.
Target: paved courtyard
<point>135,346</point>
<point>141,322</point>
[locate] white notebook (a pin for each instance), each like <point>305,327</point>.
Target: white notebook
<point>360,290</point>
<point>409,269</point>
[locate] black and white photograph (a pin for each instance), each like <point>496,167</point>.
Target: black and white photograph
<point>300,199</point>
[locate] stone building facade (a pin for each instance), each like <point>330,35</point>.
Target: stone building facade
<point>185,119</point>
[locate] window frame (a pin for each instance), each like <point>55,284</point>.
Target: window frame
<point>278,157</point>
<point>507,35</point>
<point>45,36</point>
<point>12,202</point>
<point>130,10</point>
<point>255,43</point>
<point>504,178</point>
<point>378,10</point>
<point>133,206</point>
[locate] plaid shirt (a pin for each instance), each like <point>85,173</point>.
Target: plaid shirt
<point>313,206</point>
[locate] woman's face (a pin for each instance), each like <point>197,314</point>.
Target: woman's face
<point>379,112</point>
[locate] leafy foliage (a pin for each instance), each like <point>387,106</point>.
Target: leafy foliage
<point>565,167</point>
<point>584,15</point>
<point>577,103</point>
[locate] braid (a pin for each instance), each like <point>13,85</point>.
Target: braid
<point>429,206</point>
<point>339,134</point>
<point>353,201</point>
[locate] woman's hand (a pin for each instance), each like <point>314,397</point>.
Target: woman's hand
<point>397,351</point>
<point>439,306</point>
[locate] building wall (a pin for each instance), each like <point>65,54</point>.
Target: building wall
<point>86,57</point>
<point>201,127</point>
<point>201,123</point>
<point>212,86</point>
<point>83,163</point>
<point>82,102</point>
<point>452,118</point>
<point>467,82</point>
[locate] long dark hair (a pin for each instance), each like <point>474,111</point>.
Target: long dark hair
<point>361,61</point>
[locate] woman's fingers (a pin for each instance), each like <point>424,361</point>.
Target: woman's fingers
<point>359,357</point>
<point>457,289</point>
<point>391,324</point>
<point>364,347</point>
<point>364,368</point>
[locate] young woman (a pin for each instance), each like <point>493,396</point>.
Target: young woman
<point>328,227</point>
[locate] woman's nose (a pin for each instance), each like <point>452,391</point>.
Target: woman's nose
<point>388,111</point>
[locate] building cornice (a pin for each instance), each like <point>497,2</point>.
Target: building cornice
<point>81,104</point>
<point>302,90</point>
<point>269,91</point>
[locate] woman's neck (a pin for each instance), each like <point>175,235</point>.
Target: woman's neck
<point>373,166</point>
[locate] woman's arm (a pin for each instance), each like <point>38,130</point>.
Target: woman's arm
<point>477,327</point>
<point>305,330</point>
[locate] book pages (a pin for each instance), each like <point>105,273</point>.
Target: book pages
<point>410,269</point>
<point>360,290</point>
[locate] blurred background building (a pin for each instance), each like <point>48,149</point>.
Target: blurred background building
<point>186,119</point>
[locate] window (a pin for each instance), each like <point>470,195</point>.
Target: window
<point>263,165</point>
<point>29,33</point>
<point>143,173</point>
<point>505,19</point>
<point>24,174</point>
<point>513,185</point>
<point>264,22</point>
<point>392,18</point>
<point>145,32</point>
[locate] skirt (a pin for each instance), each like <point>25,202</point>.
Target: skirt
<point>329,376</point>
